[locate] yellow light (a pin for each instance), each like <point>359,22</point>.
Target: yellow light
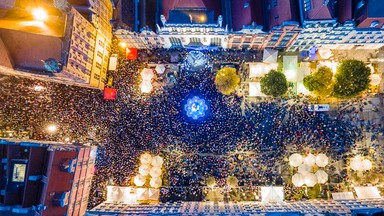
<point>123,44</point>
<point>66,139</point>
<point>52,128</point>
<point>202,18</point>
<point>38,88</point>
<point>39,14</point>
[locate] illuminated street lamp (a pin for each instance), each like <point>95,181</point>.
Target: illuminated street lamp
<point>123,44</point>
<point>39,14</point>
<point>52,128</point>
<point>38,88</point>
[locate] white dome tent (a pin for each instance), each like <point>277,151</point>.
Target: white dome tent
<point>147,74</point>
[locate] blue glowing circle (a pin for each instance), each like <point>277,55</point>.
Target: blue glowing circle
<point>195,108</point>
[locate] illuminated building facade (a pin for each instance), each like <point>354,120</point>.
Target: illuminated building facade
<point>321,27</point>
<point>75,38</point>
<point>146,39</point>
<point>99,13</point>
<point>42,178</point>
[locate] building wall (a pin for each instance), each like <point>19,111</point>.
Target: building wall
<point>81,50</point>
<point>5,58</point>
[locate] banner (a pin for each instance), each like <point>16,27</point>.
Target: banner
<point>110,94</point>
<point>131,53</point>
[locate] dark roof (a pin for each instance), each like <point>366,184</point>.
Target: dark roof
<point>27,49</point>
<point>180,16</point>
<point>241,15</point>
<point>284,11</point>
<point>375,8</point>
<point>169,5</point>
<point>344,10</point>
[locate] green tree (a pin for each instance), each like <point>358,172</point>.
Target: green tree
<point>274,84</point>
<point>320,83</point>
<point>351,79</point>
<point>227,80</point>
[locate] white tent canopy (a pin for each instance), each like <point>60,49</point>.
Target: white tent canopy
<point>142,193</point>
<point>160,68</point>
<point>272,194</point>
<point>255,90</point>
<point>290,68</point>
<point>145,158</point>
<point>270,56</point>
<point>325,53</point>
<point>259,69</point>
<point>153,194</point>
<point>147,74</point>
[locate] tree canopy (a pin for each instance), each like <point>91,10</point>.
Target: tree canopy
<point>320,82</point>
<point>227,80</point>
<point>274,84</point>
<point>351,79</point>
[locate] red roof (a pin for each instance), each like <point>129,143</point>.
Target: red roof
<point>284,11</point>
<point>320,11</point>
<point>246,15</point>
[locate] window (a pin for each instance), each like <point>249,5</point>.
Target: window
<point>374,24</point>
<point>307,5</point>
<point>246,4</point>
<point>18,174</point>
<point>274,3</point>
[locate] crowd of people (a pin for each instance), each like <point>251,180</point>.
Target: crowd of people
<point>251,142</point>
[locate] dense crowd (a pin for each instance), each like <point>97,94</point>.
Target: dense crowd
<point>248,141</point>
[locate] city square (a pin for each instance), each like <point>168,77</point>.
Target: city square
<point>194,119</point>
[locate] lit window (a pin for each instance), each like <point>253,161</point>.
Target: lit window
<point>18,172</point>
<point>307,5</point>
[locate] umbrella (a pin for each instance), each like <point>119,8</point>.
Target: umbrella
<point>270,56</point>
<point>295,160</point>
<point>321,160</point>
<point>160,68</point>
<point>147,74</point>
<point>145,158</point>
<point>157,161</point>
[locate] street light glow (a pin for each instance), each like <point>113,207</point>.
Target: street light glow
<point>39,14</point>
<point>52,128</point>
<point>38,88</point>
<point>123,44</point>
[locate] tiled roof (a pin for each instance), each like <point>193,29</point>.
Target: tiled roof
<point>246,15</point>
<point>321,11</point>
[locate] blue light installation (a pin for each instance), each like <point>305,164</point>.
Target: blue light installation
<point>196,107</point>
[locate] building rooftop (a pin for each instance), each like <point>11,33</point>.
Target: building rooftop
<point>376,8</point>
<point>283,11</point>
<point>40,143</point>
<point>188,15</point>
<point>319,10</point>
<point>27,50</point>
<point>344,10</point>
<point>169,5</point>
<point>245,12</point>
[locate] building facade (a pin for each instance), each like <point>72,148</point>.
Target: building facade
<point>99,13</point>
<point>72,48</point>
<point>42,178</point>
